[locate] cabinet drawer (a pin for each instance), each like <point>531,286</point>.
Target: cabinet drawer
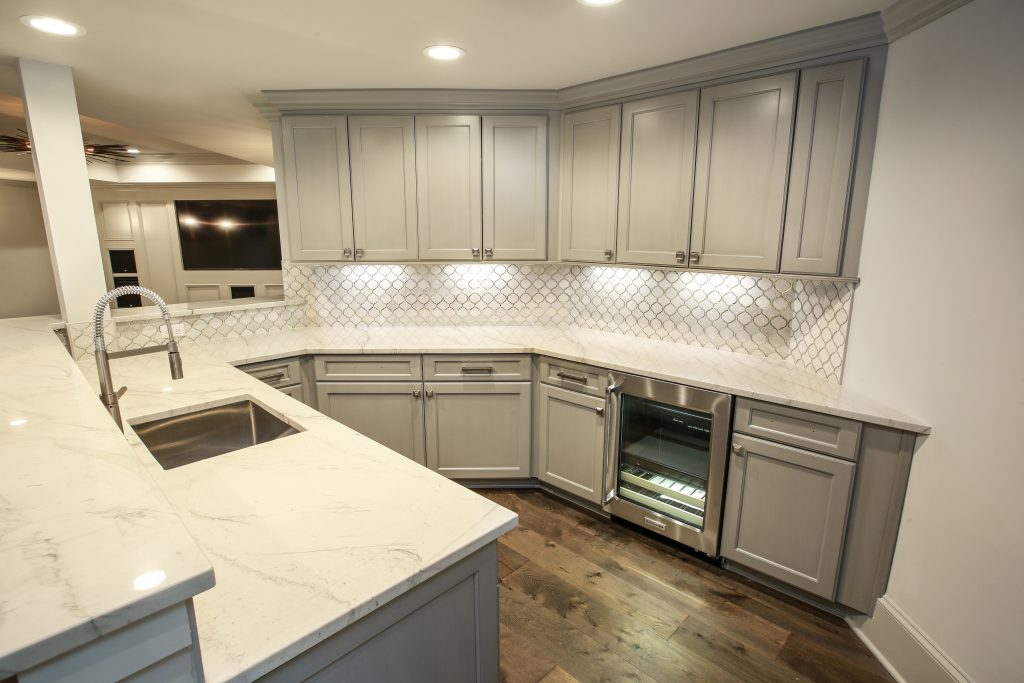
<point>826,434</point>
<point>276,373</point>
<point>477,368</point>
<point>361,368</point>
<point>573,376</point>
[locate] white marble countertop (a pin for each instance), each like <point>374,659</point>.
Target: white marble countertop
<point>80,518</point>
<point>739,374</point>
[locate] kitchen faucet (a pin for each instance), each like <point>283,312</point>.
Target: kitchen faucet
<point>107,393</point>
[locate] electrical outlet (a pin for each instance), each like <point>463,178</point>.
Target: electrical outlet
<point>178,329</point>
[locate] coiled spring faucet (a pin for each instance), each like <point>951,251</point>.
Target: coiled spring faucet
<point>107,393</point>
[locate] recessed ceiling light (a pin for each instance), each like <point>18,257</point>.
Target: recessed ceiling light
<point>132,150</point>
<point>445,53</point>
<point>53,25</point>
<point>598,3</point>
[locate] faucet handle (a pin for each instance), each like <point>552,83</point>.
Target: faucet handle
<point>121,391</point>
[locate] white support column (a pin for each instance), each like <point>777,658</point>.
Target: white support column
<point>51,111</point>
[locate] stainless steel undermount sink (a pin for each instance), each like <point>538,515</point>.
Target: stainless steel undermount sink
<point>183,439</point>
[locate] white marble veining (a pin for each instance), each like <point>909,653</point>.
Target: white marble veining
<point>307,533</point>
<point>740,374</point>
<point>80,518</point>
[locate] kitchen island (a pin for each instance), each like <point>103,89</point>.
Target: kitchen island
<point>310,537</point>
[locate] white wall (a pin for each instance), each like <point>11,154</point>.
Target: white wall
<point>938,325</point>
<point>27,286</point>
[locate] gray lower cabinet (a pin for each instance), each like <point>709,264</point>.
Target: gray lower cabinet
<point>478,430</point>
<point>445,629</point>
<point>570,441</point>
<point>287,375</point>
<point>390,413</point>
<point>785,513</point>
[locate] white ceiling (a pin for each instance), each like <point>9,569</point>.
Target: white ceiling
<point>177,75</point>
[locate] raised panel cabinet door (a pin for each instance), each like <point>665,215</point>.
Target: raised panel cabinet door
<point>570,441</point>
<point>742,165</point>
<point>390,413</point>
<point>659,138</point>
<point>515,186</point>
<point>785,513</point>
<point>316,178</point>
<point>382,151</point>
<point>590,177</point>
<point>478,430</point>
<point>824,139</point>
<point>448,188</point>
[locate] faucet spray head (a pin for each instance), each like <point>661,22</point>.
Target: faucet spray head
<point>175,359</point>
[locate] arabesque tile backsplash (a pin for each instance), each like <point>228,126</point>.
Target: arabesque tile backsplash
<point>803,321</point>
<point>799,320</point>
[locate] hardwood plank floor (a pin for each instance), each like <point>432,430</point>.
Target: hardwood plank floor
<point>583,599</point>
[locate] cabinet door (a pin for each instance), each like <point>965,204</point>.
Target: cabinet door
<point>656,179</point>
<point>317,188</point>
<point>590,176</point>
<point>383,162</point>
<point>515,177</point>
<point>742,164</point>
<point>785,513</point>
<point>570,441</point>
<point>448,187</point>
<point>819,178</point>
<point>390,413</point>
<point>478,430</point>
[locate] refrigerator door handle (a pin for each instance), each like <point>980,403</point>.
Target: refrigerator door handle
<point>611,428</point>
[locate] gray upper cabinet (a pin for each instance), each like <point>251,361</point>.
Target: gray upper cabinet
<point>656,179</point>
<point>570,441</point>
<point>785,513</point>
<point>742,165</point>
<point>478,430</point>
<point>589,184</point>
<point>515,185</point>
<point>819,182</point>
<point>316,178</point>
<point>383,162</point>
<point>390,413</point>
<point>448,187</point>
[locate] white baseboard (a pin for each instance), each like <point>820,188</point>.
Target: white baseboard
<point>902,648</point>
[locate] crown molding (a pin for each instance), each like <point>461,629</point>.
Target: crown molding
<point>821,41</point>
<point>907,16</point>
<point>410,99</point>
<point>844,36</point>
<point>188,159</point>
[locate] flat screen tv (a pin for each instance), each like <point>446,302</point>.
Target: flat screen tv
<point>229,234</point>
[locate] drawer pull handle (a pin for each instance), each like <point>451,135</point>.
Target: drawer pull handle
<point>275,377</point>
<point>657,524</point>
<point>488,370</point>
<point>572,378</point>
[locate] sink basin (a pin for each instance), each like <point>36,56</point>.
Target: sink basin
<point>183,439</point>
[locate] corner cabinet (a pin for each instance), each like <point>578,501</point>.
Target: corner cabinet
<point>741,173</point>
<point>570,441</point>
<point>448,187</point>
<point>590,175</point>
<point>316,179</point>
<point>478,429</point>
<point>383,162</point>
<point>823,151</point>
<point>515,187</point>
<point>656,179</point>
<point>785,513</point>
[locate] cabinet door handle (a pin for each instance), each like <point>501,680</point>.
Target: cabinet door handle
<point>429,393</point>
<point>488,253</point>
<point>694,258</point>
<point>737,450</point>
<point>487,370</point>
<point>599,411</point>
<point>415,393</point>
<point>346,252</point>
<point>572,378</point>
<point>359,253</point>
<point>475,251</point>
<point>608,254</point>
<point>680,257</point>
